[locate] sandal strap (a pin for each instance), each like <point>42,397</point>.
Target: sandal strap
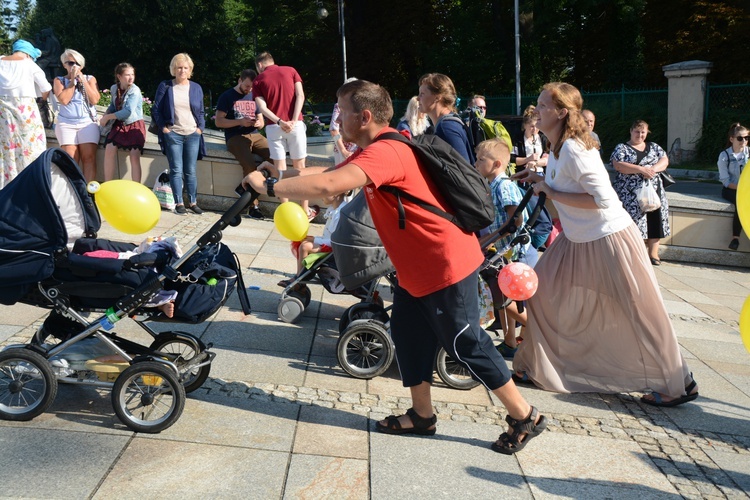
<point>420,422</point>
<point>392,422</point>
<point>523,426</point>
<point>689,388</point>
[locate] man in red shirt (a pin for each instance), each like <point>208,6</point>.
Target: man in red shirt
<point>280,97</point>
<point>437,263</point>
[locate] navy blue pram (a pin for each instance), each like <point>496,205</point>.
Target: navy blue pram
<point>47,222</point>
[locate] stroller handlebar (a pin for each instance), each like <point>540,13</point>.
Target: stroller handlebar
<point>510,226</point>
<point>229,217</point>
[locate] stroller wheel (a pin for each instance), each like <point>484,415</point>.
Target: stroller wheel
<point>290,308</point>
<point>365,349</point>
<point>363,310</point>
<point>147,397</point>
<point>27,384</point>
<point>183,349</point>
<point>452,373</point>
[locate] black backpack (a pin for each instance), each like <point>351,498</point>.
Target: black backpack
<point>465,190</point>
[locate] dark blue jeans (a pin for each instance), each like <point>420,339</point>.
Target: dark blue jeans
<point>182,154</point>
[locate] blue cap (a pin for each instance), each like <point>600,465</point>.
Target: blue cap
<point>26,48</point>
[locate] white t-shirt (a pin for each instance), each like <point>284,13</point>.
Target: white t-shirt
<point>22,78</point>
<point>533,145</point>
<point>579,170</point>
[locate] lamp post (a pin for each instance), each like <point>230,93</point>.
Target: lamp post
<point>518,61</point>
<point>323,13</point>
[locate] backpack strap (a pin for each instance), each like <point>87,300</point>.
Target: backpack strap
<point>398,193</point>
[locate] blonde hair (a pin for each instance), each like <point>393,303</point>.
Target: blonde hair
<point>497,149</point>
<point>411,115</point>
<point>566,96</point>
<point>442,86</point>
<point>77,57</point>
<point>179,58</point>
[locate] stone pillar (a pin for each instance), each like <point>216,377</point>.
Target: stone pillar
<point>687,100</point>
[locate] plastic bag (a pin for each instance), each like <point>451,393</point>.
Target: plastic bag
<point>648,198</point>
<point>163,191</point>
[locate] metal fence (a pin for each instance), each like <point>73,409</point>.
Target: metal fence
<point>617,109</point>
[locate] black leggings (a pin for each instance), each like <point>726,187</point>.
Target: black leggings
<point>731,196</point>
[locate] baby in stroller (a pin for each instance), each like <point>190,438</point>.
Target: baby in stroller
<point>48,225</point>
<point>316,264</point>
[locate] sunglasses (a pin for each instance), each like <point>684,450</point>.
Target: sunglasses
<point>71,63</point>
<point>742,138</point>
<point>482,107</point>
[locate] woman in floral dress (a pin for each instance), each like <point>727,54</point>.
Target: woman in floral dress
<point>21,131</point>
<point>636,162</point>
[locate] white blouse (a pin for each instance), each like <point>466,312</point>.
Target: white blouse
<point>579,170</point>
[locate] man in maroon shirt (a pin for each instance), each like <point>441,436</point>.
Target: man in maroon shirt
<point>280,97</point>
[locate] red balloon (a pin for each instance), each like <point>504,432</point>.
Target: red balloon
<point>518,281</point>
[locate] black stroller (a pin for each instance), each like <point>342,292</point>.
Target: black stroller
<point>47,222</point>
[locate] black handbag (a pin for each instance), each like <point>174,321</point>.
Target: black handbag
<point>666,179</point>
<point>153,128</point>
<point>45,112</point>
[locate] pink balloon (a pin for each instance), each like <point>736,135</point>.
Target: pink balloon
<point>517,281</point>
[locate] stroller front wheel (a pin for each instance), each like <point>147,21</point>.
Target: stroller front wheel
<point>365,349</point>
<point>148,397</point>
<point>27,384</point>
<point>290,309</point>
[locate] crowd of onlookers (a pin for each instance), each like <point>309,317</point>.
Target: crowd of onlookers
<point>608,332</point>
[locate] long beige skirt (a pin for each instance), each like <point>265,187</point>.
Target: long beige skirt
<point>597,322</point>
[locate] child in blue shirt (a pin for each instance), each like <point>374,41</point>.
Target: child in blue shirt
<point>492,162</point>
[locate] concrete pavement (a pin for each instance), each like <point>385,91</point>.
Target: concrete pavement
<point>278,418</point>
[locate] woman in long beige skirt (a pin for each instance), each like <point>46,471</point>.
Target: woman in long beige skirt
<point>597,322</point>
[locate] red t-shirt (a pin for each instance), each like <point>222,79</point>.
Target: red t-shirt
<point>430,253</point>
<point>276,86</point>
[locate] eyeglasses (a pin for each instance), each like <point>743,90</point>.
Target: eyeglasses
<point>482,107</point>
<point>71,63</point>
<point>742,138</point>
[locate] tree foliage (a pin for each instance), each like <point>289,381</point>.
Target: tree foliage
<point>594,44</point>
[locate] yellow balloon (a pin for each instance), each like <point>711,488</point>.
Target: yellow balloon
<point>128,206</point>
<point>291,221</point>
<point>743,200</point>
<point>745,324</point>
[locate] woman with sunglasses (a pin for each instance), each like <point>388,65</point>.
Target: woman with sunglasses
<point>77,128</point>
<point>731,162</point>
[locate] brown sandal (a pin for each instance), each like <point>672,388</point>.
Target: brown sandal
<point>421,425</point>
<point>523,431</point>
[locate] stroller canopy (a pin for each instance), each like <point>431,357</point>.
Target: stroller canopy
<point>38,209</point>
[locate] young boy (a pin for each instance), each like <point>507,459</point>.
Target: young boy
<point>492,161</point>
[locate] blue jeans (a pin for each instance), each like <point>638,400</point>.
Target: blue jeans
<point>182,154</point>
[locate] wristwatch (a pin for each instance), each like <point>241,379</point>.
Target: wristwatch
<point>270,183</point>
